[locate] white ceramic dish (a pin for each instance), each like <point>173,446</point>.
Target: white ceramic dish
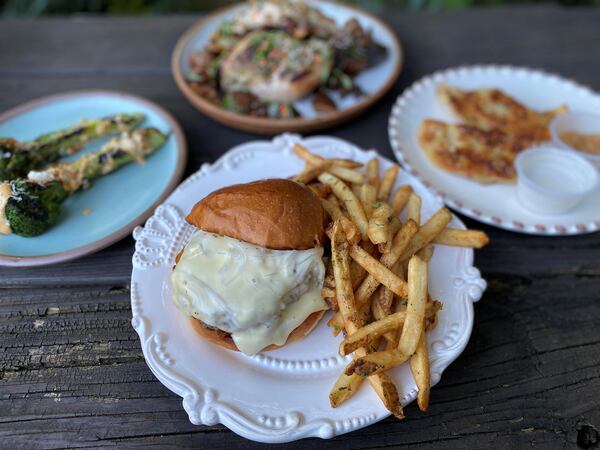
<point>580,123</point>
<point>538,170</point>
<point>278,396</point>
<point>494,204</point>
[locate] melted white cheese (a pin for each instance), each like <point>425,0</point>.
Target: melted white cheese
<point>40,177</point>
<point>5,193</point>
<point>258,295</point>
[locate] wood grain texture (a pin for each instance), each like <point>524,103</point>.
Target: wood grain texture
<point>71,369</point>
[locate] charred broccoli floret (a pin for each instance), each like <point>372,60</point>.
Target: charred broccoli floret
<point>13,161</point>
<point>33,208</point>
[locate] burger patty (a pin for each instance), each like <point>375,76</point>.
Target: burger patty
<point>223,334</point>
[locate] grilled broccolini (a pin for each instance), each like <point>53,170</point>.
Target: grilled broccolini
<point>28,207</point>
<point>18,158</point>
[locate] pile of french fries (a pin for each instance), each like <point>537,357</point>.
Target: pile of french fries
<point>377,278</point>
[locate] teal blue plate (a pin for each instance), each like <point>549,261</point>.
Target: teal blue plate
<point>116,203</point>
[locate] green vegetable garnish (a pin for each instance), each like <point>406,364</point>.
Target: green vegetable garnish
<point>34,203</point>
<point>18,158</point>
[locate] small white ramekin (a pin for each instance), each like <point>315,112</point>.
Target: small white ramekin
<point>579,122</point>
<point>552,180</point>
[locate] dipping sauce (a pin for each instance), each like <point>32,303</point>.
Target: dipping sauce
<point>589,143</point>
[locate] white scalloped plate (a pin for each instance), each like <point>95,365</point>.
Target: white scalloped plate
<point>278,396</point>
<point>494,204</point>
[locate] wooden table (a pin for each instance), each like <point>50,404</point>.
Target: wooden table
<point>71,368</point>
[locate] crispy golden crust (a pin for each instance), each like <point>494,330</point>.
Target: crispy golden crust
<point>484,156</point>
<point>224,339</point>
<point>491,109</point>
<point>277,214</point>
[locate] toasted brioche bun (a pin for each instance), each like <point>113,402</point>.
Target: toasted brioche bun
<point>277,214</point>
<point>224,339</point>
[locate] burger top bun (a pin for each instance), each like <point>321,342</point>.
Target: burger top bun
<point>278,214</point>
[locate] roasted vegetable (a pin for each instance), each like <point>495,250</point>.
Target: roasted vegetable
<point>33,208</point>
<point>33,204</point>
<point>18,158</point>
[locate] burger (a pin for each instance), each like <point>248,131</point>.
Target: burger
<point>250,278</point>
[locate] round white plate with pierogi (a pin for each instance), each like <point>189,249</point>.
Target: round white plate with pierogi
<point>459,131</point>
<point>281,395</point>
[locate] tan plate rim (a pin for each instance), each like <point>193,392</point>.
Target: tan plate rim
<point>274,126</point>
<point>53,258</point>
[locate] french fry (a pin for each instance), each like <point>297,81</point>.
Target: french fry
<point>311,172</point>
<point>333,210</point>
<point>427,233</point>
<point>419,366</point>
<point>413,208</point>
<point>333,199</point>
<point>462,238</point>
<point>385,300</point>
<point>381,273</point>
<point>379,224</point>
<point>314,159</point>
<point>385,388</point>
<point>356,190</point>
<point>377,362</point>
<point>346,386</point>
<point>383,306</point>
<point>307,155</point>
<point>340,259</point>
<point>400,199</point>
<point>327,292</point>
<point>373,254</point>
<point>382,384</point>
<point>352,204</point>
<point>387,183</point>
<point>399,244</point>
<point>426,253</point>
<point>320,190</point>
<point>395,226</point>
<point>415,309</point>
<point>357,272</point>
<point>336,323</point>
<point>369,334</point>
<point>369,284</point>
<point>380,312</point>
<point>391,339</point>
<point>368,197</point>
<point>373,173</point>
<point>346,174</point>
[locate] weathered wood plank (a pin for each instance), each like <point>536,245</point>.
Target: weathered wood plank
<point>71,369</point>
<point>520,372</point>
